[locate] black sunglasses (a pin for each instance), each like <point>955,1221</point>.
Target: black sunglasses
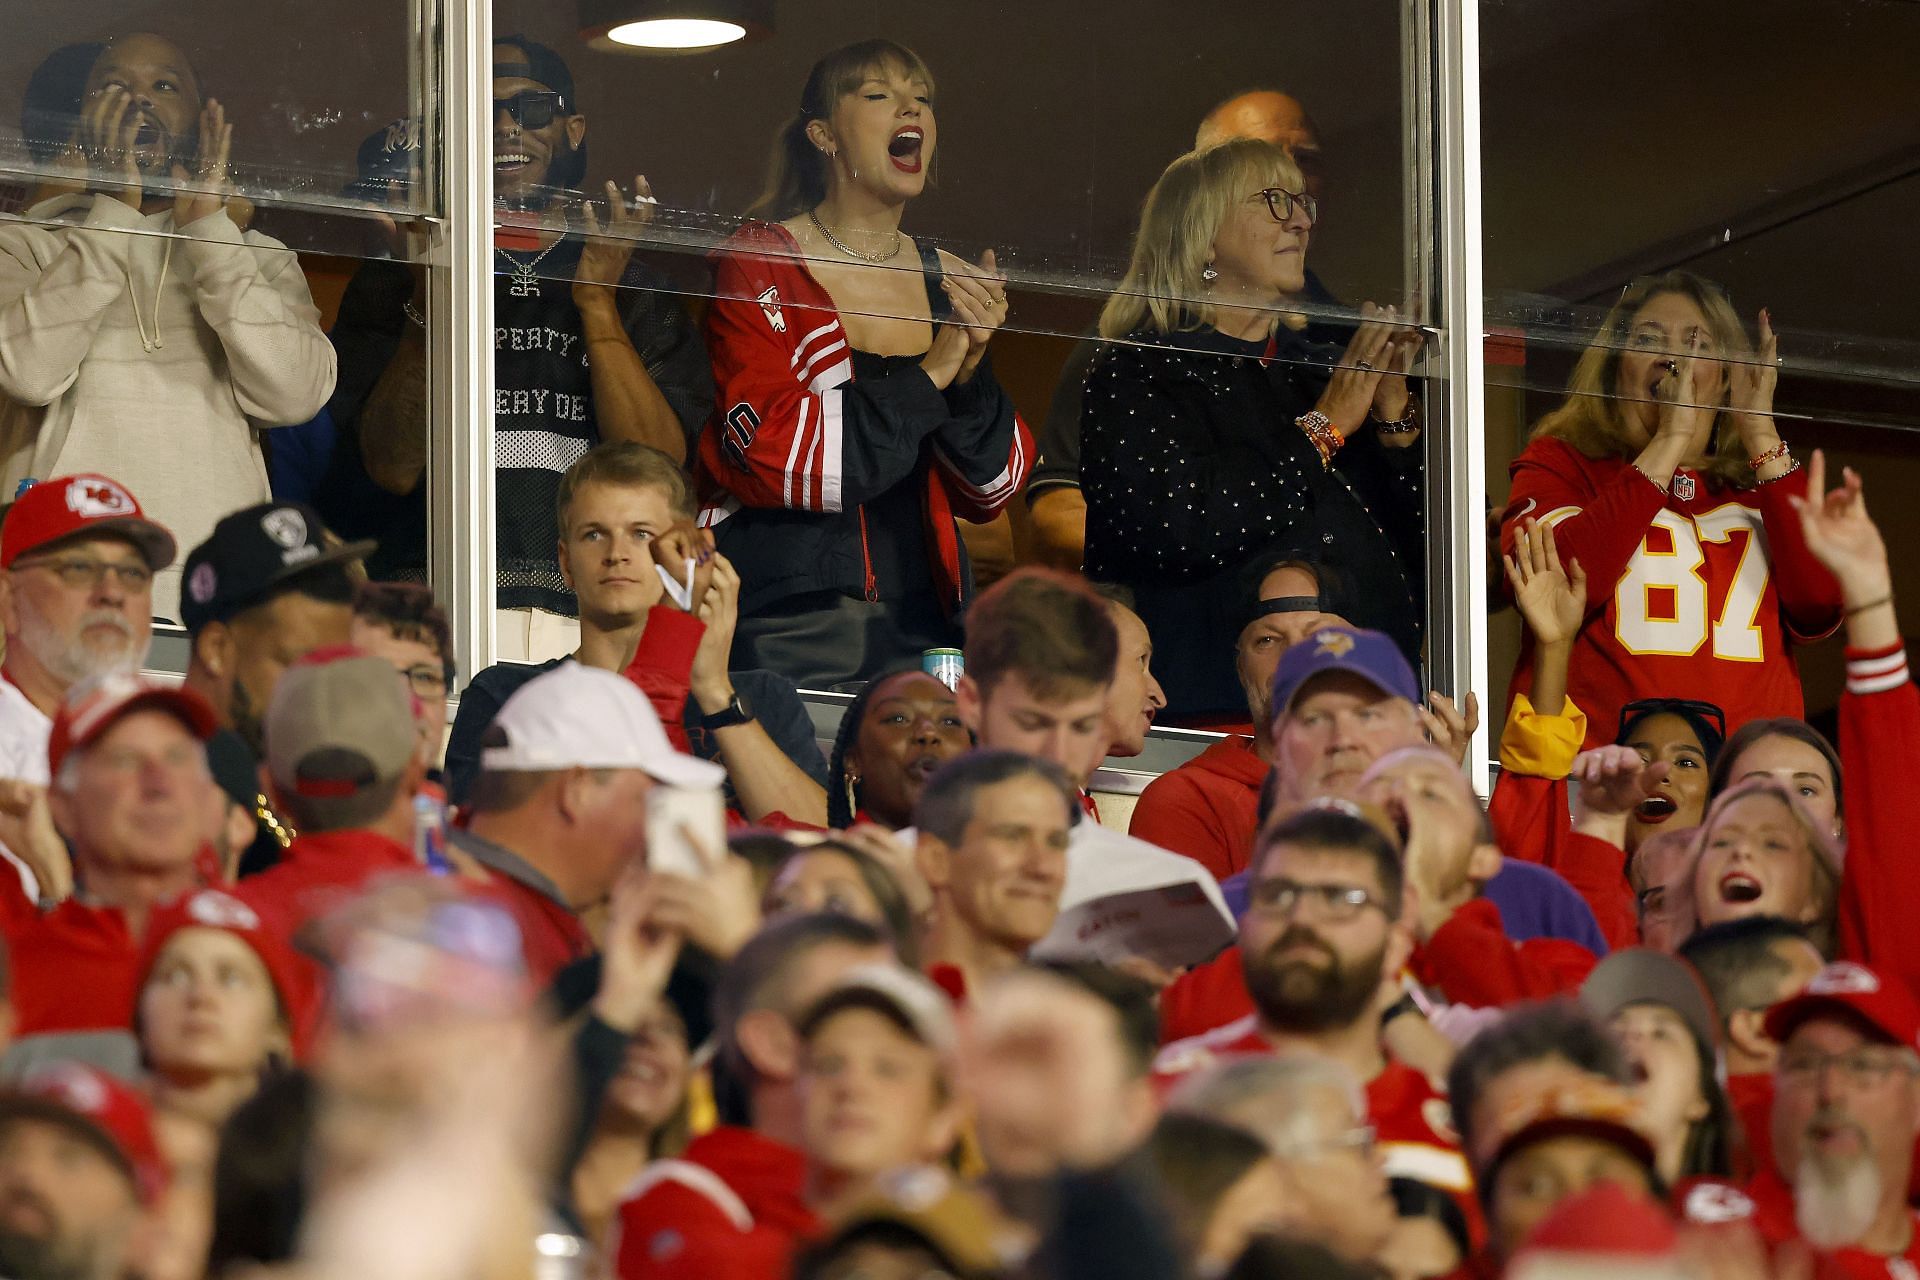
<point>1683,707</point>
<point>531,108</point>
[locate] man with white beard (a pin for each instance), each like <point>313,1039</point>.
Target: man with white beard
<point>1846,1112</point>
<point>77,562</point>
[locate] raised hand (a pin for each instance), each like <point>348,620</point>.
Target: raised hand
<point>1391,398</point>
<point>1682,417</point>
<point>1356,379</point>
<point>682,543</point>
<point>636,954</point>
<point>610,239</point>
<point>1612,780</point>
<point>1448,727</point>
<point>205,190</point>
<point>719,608</point>
<point>26,828</point>
<point>1552,599</point>
<point>105,138</point>
<point>1841,535</point>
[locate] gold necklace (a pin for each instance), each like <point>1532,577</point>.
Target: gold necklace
<point>813,216</point>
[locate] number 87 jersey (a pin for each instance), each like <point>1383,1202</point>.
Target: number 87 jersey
<point>1695,593</point>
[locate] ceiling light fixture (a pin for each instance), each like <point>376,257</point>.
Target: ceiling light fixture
<point>672,26</point>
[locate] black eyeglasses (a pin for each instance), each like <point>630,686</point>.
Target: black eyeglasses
<point>1281,202</point>
<point>531,108</point>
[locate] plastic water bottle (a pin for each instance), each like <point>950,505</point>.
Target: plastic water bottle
<point>430,829</point>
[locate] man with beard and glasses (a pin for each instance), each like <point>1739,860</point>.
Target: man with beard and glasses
<point>1846,1112</point>
<point>1321,947</point>
<point>588,347</point>
<point>142,333</point>
<point>77,559</point>
<point>269,587</point>
<point>80,1173</point>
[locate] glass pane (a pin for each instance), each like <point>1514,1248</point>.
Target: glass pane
<point>1664,194</point>
<point>181,221</point>
<point>816,463</point>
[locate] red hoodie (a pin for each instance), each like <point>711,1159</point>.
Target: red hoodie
<point>731,1208</point>
<point>1206,809</point>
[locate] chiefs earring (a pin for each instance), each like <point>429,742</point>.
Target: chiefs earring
<point>1208,274</point>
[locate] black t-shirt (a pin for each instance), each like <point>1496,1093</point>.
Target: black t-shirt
<point>543,411</point>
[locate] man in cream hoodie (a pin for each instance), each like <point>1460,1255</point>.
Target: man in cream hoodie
<point>155,358</point>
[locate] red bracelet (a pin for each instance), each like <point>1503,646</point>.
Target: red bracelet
<point>1319,429</point>
<point>1778,451</point>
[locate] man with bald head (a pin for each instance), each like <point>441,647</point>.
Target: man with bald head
<point>1271,116</point>
<point>157,356</point>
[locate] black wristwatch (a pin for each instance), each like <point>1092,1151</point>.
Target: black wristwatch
<point>737,711</point>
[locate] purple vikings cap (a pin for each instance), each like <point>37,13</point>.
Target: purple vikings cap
<point>1371,655</point>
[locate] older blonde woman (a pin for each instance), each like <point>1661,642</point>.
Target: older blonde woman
<point>1666,479</point>
<point>1212,433</point>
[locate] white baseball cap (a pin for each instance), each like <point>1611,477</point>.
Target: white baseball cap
<point>580,717</point>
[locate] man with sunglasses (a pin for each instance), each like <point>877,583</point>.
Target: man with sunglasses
<point>77,559</point>
<point>587,348</point>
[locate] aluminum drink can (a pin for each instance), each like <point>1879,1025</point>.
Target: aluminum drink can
<point>944,665</point>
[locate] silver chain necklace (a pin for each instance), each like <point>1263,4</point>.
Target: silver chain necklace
<point>814,217</point>
<point>523,283</point>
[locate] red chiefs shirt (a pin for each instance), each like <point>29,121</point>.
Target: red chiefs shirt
<point>1412,1123</point>
<point>320,871</point>
<point>732,1208</point>
<point>551,935</point>
<point>1766,1204</point>
<point>1696,593</point>
<point>75,968</point>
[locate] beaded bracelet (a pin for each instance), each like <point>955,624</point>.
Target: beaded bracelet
<point>1319,429</point>
<point>1404,425</point>
<point>1778,451</point>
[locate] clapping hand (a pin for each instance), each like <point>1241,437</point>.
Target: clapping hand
<point>206,189</point>
<point>1368,359</point>
<point>1552,599</point>
<point>1753,381</point>
<point>105,138</point>
<point>610,239</point>
<point>979,301</point>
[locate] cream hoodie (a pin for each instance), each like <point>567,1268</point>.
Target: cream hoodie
<point>240,348</point>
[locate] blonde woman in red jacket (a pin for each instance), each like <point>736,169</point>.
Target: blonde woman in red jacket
<point>857,415</point>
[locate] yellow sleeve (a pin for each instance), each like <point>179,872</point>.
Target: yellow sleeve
<point>1541,746</point>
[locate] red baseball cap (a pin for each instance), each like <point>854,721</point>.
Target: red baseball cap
<point>92,709</point>
<point>111,1114</point>
<point>293,978</point>
<point>1883,1003</point>
<point>81,506</point>
<point>1606,1224</point>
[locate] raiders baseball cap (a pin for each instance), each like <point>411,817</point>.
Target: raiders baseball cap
<point>250,552</point>
<point>80,506</point>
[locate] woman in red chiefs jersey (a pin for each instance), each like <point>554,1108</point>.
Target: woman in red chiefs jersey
<point>857,414</point>
<point>1664,476</point>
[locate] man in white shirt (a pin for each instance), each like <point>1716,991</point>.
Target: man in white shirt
<point>77,563</point>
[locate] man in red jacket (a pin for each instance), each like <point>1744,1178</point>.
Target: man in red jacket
<point>1846,1114</point>
<point>560,807</point>
<point>131,794</point>
<point>343,761</point>
<point>733,1207</point>
<point>1321,947</point>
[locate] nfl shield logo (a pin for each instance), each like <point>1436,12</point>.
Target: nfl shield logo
<point>1683,486</point>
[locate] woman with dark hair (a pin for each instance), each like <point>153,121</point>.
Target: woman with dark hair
<point>1668,1032</point>
<point>892,738</point>
<point>857,416</point>
<point>1664,476</point>
<point>1211,432</point>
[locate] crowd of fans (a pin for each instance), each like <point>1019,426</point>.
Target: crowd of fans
<point>620,974</point>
